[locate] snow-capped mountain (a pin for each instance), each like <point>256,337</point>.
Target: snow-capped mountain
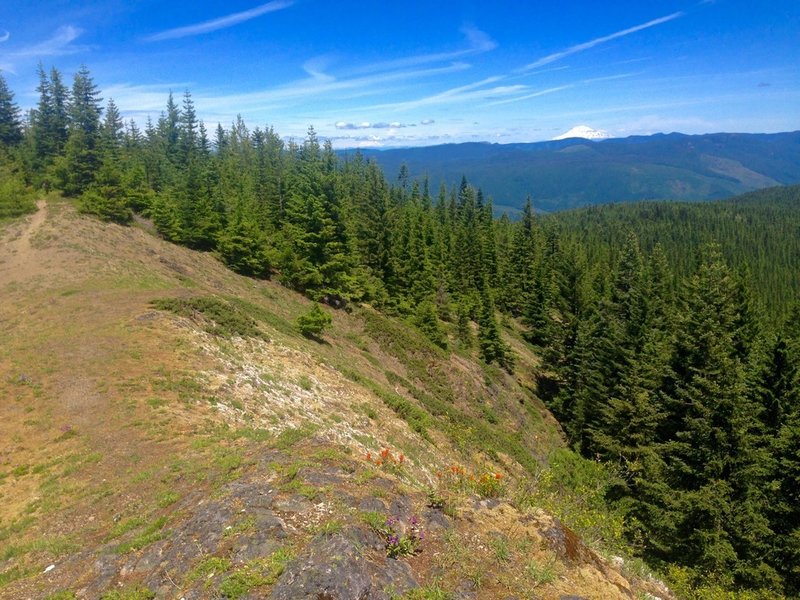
<point>584,131</point>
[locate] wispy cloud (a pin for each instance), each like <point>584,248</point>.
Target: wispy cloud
<point>5,37</point>
<point>611,77</point>
<point>550,58</point>
<point>471,91</point>
<point>59,44</point>
<point>478,42</point>
<point>314,87</point>
<point>221,22</point>
<point>551,90</point>
<point>316,66</point>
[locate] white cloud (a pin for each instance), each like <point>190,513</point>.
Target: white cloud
<point>601,40</point>
<point>316,66</point>
<point>367,125</point>
<point>59,44</point>
<point>306,88</point>
<point>462,93</point>
<point>478,42</point>
<point>551,90</point>
<point>221,22</point>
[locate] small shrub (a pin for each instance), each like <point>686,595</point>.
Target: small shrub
<point>15,198</point>
<point>105,205</point>
<point>426,319</point>
<point>314,322</point>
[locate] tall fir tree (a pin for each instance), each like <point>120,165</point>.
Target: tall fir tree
<point>10,126</point>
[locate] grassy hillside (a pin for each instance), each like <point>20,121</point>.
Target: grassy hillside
<point>171,434</point>
<point>572,173</point>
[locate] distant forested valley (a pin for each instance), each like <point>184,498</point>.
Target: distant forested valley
<point>571,173</point>
<point>669,333</point>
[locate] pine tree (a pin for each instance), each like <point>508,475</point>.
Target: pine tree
<point>50,119</point>
<point>712,455</point>
<point>10,127</point>
<point>492,347</point>
<point>426,320</point>
<point>82,154</point>
<point>782,420</point>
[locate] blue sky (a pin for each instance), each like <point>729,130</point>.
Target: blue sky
<point>418,73</point>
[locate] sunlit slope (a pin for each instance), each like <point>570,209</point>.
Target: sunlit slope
<point>167,432</point>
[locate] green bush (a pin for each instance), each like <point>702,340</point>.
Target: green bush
<point>15,198</point>
<point>105,206</point>
<point>314,322</point>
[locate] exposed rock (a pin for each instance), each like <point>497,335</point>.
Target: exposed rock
<point>567,545</point>
<point>400,507</point>
<point>293,504</point>
<point>436,519</point>
<point>372,505</point>
<point>335,568</point>
<point>319,478</point>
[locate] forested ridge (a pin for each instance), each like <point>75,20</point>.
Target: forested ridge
<point>571,173</point>
<point>659,358</point>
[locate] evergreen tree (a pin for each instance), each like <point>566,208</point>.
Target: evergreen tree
<point>492,347</point>
<point>50,119</point>
<point>712,459</point>
<point>10,127</point>
<point>82,154</point>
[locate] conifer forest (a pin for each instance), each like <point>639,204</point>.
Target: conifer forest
<point>669,333</point>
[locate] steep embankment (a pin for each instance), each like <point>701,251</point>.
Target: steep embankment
<point>211,451</point>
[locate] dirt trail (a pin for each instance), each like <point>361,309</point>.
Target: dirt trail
<point>16,254</point>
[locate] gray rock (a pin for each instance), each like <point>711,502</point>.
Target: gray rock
<point>319,478</point>
<point>372,505</point>
<point>338,568</point>
<point>435,519</point>
<point>395,575</point>
<point>261,544</point>
<point>334,569</point>
<point>400,507</point>
<point>293,504</point>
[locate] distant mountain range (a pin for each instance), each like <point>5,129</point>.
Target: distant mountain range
<point>576,172</point>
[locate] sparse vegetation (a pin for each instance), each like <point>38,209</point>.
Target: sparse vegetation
<point>217,316</point>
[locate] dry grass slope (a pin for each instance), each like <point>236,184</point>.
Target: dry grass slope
<point>152,454</point>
